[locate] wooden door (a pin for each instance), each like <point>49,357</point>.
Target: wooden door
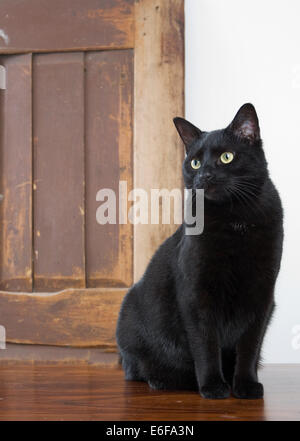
<point>91,90</point>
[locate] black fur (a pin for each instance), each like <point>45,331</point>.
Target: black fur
<point>197,318</point>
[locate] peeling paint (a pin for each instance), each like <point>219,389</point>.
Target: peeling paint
<point>4,36</point>
<point>2,77</point>
<point>23,184</point>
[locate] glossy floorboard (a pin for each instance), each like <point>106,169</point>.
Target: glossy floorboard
<point>70,392</point>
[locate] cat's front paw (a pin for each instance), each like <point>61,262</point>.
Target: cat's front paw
<point>246,389</point>
<point>215,391</point>
<point>157,385</point>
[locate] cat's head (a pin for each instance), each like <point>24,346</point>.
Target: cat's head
<point>227,163</point>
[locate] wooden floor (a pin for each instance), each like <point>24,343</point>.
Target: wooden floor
<point>69,392</point>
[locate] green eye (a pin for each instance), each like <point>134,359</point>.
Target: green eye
<point>195,164</point>
<point>226,157</point>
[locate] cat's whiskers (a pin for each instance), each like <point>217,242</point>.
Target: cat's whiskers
<point>249,197</point>
<point>236,195</point>
<point>245,181</point>
<point>245,197</point>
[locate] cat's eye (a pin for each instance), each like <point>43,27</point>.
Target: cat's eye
<point>195,164</point>
<point>226,157</point>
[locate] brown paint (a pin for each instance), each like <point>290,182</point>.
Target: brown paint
<point>73,317</point>
<point>42,354</point>
<point>16,175</point>
<point>61,25</point>
<point>58,127</point>
<point>109,81</point>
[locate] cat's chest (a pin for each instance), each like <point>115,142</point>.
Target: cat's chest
<point>237,240</point>
<point>235,251</point>
<point>229,257</point>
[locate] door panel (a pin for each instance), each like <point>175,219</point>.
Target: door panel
<point>109,88</point>
<point>60,25</point>
<point>82,113</point>
<point>81,120</point>
<point>73,317</point>
<point>58,204</point>
<point>16,175</point>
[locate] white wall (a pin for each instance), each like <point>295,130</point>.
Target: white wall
<point>239,51</point>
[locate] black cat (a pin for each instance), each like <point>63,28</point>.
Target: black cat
<point>197,318</point>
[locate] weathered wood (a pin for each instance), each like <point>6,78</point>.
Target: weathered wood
<point>58,128</point>
<point>108,122</point>
<point>15,353</point>
<point>73,108</point>
<point>61,25</point>
<point>159,86</point>
<point>16,175</point>
<point>73,317</point>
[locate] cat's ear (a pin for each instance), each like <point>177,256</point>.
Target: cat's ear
<point>245,124</point>
<point>187,131</point>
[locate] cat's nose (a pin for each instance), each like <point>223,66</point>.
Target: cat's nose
<point>207,176</point>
